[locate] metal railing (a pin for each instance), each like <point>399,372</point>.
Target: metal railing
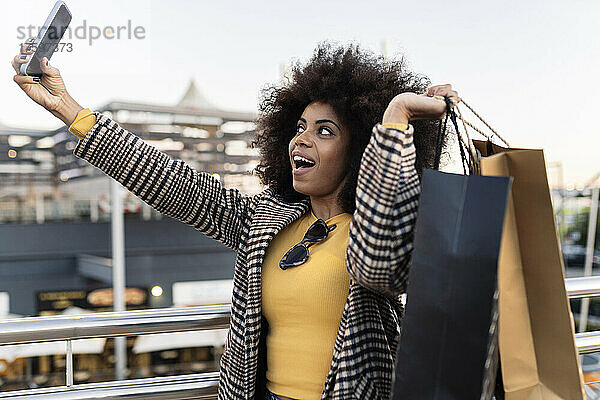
<point>117,324</point>
<point>588,286</point>
<point>193,386</point>
<point>129,323</point>
<point>113,324</point>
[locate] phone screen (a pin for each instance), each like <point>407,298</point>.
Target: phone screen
<point>47,45</point>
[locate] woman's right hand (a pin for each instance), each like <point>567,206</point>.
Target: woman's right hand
<point>407,106</point>
<point>49,91</point>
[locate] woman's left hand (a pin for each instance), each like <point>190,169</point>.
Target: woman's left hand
<point>407,107</point>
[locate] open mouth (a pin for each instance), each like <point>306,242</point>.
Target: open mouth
<point>302,163</point>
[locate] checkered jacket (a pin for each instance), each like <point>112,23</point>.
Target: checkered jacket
<point>377,256</point>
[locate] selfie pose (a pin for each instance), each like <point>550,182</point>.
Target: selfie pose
<point>323,252</point>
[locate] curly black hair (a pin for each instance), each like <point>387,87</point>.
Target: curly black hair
<point>358,85</point>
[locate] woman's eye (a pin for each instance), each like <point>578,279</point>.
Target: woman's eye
<point>325,130</point>
<point>299,128</point>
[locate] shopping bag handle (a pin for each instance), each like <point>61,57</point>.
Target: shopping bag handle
<point>467,123</point>
<point>470,157</point>
<point>468,163</point>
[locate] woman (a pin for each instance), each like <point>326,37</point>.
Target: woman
<point>323,251</point>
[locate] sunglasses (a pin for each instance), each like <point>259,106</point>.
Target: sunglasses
<point>298,254</point>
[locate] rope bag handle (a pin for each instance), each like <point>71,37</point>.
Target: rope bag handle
<point>470,156</point>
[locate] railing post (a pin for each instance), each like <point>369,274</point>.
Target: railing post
<point>589,257</point>
<point>69,367</point>
<point>39,208</point>
<point>118,273</point>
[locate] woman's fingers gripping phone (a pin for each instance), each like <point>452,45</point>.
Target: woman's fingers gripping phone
<point>26,49</point>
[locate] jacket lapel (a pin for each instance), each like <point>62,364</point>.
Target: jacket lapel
<point>271,216</point>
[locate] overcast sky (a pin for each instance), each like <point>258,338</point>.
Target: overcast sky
<point>531,68</point>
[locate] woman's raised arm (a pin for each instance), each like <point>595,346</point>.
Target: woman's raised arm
<point>387,198</point>
<point>170,186</point>
<point>387,195</point>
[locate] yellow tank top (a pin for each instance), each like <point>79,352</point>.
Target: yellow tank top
<point>304,306</point>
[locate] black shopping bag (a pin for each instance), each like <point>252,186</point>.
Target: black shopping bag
<point>448,341</point>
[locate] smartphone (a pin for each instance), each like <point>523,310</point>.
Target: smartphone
<point>48,38</point>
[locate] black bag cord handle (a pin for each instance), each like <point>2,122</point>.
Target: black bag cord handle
<point>440,138</point>
<point>467,151</point>
<point>442,134</point>
<point>461,144</point>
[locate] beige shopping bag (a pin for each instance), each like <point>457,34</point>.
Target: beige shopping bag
<point>538,356</point>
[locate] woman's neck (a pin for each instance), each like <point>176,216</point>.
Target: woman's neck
<point>325,208</point>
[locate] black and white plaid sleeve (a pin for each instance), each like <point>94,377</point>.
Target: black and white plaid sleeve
<point>387,195</point>
<point>170,186</point>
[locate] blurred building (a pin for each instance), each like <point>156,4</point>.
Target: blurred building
<point>41,180</point>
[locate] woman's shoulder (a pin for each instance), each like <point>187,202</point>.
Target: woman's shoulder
<point>272,203</point>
